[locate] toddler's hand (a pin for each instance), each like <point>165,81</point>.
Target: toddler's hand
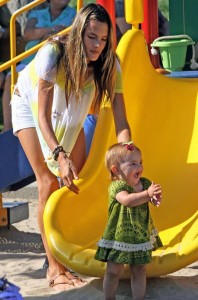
<point>155,194</point>
<point>156,200</point>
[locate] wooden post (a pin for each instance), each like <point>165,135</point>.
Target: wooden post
<point>3,213</point>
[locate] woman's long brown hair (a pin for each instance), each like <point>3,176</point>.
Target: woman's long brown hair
<point>73,56</point>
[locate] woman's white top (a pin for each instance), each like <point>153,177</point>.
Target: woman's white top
<point>67,120</point>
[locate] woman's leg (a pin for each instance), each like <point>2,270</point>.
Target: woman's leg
<point>138,281</point>
<point>78,154</point>
<point>111,279</point>
<point>47,184</point>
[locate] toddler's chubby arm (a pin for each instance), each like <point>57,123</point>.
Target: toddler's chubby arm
<point>153,194</point>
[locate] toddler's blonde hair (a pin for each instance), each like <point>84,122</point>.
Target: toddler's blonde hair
<point>116,154</point>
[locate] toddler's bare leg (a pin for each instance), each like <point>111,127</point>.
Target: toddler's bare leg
<point>111,279</point>
<point>138,281</point>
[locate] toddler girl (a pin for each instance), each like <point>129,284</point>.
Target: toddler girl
<point>130,235</point>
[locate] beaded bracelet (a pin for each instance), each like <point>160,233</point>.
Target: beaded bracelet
<point>56,151</point>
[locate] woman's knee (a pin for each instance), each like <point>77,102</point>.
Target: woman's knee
<point>47,184</point>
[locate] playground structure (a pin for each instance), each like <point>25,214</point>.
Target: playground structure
<point>162,113</point>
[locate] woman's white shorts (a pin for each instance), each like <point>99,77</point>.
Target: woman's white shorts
<point>21,113</point>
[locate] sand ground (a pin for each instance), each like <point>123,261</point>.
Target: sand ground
<point>21,261</point>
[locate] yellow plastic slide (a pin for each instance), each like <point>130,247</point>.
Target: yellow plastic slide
<point>163,115</point>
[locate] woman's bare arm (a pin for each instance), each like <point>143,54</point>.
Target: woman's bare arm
<point>123,131</point>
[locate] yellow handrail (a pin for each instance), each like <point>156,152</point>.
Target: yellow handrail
<point>2,2</point>
<point>79,4</point>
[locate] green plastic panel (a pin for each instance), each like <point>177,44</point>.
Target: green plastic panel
<point>183,17</point>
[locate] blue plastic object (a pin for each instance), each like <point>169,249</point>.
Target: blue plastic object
<point>9,291</point>
<point>184,74</point>
<point>89,128</point>
<point>15,170</point>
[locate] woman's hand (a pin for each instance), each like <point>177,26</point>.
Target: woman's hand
<point>68,172</point>
<point>66,165</point>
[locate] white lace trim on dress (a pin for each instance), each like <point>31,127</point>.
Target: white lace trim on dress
<point>129,247</point>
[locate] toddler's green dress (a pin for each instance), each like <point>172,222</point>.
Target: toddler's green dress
<point>130,235</point>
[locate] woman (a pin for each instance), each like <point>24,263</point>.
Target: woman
<point>52,98</point>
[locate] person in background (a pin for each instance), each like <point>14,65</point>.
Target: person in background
<point>5,16</point>
<point>130,236</point>
<point>121,25</point>
<point>54,93</point>
<point>2,34</point>
<point>2,79</point>
<point>163,30</point>
<point>73,3</point>
<point>41,24</point>
<point>163,24</point>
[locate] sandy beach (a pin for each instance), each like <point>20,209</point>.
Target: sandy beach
<point>21,261</point>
